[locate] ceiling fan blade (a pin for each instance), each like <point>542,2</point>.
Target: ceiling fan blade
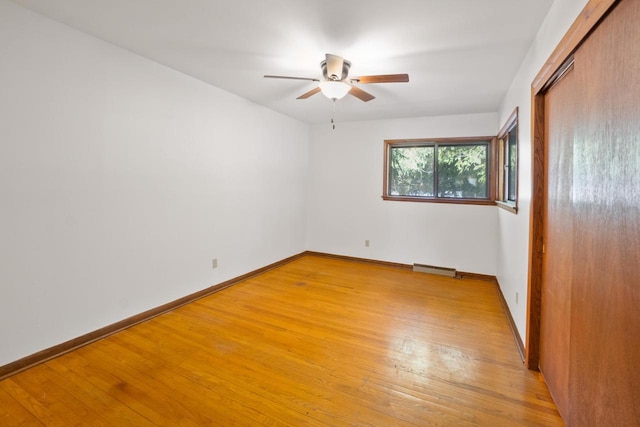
<point>361,94</point>
<point>291,78</point>
<point>334,67</point>
<point>308,94</point>
<point>383,78</point>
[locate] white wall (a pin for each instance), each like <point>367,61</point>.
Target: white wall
<point>513,243</point>
<point>345,206</point>
<point>121,179</point>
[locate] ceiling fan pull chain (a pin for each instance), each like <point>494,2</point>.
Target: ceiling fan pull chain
<point>333,113</point>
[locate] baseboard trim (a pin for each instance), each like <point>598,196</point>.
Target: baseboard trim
<point>512,323</point>
<point>476,276</point>
<point>365,260</point>
<point>73,344</point>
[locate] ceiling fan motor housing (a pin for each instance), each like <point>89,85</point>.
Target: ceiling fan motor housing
<point>344,74</point>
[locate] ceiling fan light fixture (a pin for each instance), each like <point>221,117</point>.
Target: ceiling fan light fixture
<point>334,89</point>
<point>336,83</point>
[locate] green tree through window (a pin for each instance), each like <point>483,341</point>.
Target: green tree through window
<point>462,171</point>
<point>412,171</point>
<point>438,169</point>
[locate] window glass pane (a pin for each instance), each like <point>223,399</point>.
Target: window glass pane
<point>512,165</point>
<point>462,171</point>
<point>411,172</point>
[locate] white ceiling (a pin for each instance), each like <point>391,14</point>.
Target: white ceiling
<point>461,55</point>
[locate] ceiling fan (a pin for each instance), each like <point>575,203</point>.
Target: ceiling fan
<point>336,82</point>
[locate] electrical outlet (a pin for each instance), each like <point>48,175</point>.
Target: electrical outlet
<point>517,297</point>
<point>366,243</point>
<point>214,263</point>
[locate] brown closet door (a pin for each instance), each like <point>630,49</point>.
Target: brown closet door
<point>590,311</point>
<point>604,378</point>
<point>557,267</point>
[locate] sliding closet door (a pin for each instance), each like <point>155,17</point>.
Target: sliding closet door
<point>557,265</point>
<point>604,380</point>
<point>590,310</point>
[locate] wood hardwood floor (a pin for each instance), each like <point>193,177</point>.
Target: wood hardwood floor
<point>316,342</point>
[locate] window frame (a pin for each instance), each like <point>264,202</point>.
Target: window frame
<point>503,168</point>
<point>491,185</point>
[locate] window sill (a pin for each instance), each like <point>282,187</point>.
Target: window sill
<point>507,206</point>
<point>451,200</point>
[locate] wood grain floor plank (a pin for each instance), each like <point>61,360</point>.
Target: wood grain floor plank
<point>12,413</point>
<point>284,385</point>
<point>41,411</point>
<point>365,357</point>
<point>138,394</point>
<point>103,405</point>
<point>215,396</point>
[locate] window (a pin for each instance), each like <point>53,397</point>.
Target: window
<point>507,196</point>
<point>439,170</point>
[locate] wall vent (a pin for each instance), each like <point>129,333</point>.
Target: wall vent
<point>432,269</point>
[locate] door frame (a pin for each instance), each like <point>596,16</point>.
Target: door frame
<point>592,14</point>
